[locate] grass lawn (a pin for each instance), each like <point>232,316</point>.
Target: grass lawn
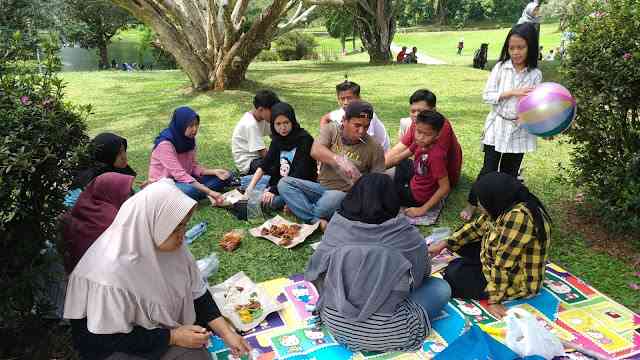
<point>137,106</point>
<point>444,45</point>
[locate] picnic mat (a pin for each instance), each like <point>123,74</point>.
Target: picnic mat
<point>430,218</point>
<point>570,308</point>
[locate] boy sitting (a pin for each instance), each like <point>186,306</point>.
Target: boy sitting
<point>347,92</point>
<point>427,180</point>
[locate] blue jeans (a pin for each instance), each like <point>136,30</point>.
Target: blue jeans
<point>277,203</point>
<point>308,200</point>
<point>211,181</point>
<point>433,295</point>
<point>262,183</point>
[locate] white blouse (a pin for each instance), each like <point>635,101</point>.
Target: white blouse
<point>500,128</point>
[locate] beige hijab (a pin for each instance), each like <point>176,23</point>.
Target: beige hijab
<point>123,280</point>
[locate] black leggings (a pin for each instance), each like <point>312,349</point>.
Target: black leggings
<point>507,163</point>
<point>465,276</point>
<point>401,180</point>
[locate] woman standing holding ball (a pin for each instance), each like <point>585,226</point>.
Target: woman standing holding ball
<point>504,141</point>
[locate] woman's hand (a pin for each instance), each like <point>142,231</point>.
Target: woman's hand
<point>520,92</point>
<point>414,212</point>
<point>189,336</point>
<point>267,197</point>
<point>498,311</point>
<point>436,248</point>
<point>236,344</point>
<point>215,198</point>
<point>222,174</point>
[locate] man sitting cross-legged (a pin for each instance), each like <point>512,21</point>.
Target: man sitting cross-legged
<point>345,152</point>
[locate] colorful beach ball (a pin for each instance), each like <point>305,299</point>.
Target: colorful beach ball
<point>548,110</point>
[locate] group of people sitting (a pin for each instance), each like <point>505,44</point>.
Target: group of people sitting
<point>404,57</point>
<point>134,290</point>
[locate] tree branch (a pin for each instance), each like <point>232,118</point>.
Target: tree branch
<point>238,12</point>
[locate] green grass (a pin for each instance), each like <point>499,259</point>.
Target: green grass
<point>443,45</point>
<point>137,106</point>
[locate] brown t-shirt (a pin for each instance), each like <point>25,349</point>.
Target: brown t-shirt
<point>368,157</point>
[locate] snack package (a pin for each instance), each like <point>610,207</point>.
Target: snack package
<point>243,302</point>
<point>232,197</point>
<point>282,232</point>
<point>231,240</point>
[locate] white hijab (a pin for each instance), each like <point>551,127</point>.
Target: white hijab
<point>123,280</point>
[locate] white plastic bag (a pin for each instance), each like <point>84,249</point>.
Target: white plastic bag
<point>527,337</point>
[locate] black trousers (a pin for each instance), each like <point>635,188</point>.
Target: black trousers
<point>507,163</point>
<point>465,276</point>
<point>401,179</point>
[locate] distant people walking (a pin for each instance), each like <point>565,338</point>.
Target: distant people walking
<point>460,46</point>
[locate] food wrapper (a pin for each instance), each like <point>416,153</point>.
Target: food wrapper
<point>243,302</point>
<point>232,197</point>
<point>305,231</point>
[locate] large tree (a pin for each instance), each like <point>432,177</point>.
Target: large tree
<point>93,23</point>
<point>207,37</point>
<point>376,22</point>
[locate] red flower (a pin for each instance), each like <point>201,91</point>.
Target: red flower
<point>24,99</point>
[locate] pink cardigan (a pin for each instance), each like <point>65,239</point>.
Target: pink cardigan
<point>166,162</point>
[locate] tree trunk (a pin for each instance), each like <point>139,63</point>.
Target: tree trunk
<point>376,23</point>
<point>104,56</point>
<point>207,39</point>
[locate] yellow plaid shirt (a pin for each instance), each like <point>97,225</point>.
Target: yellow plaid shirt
<point>513,258</point>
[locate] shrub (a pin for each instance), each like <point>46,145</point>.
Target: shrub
<point>40,139</point>
<point>295,45</point>
<point>268,55</point>
<point>602,71</point>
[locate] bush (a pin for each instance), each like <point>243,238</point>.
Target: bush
<point>268,55</point>
<point>40,139</point>
<point>295,45</point>
<point>602,71</point>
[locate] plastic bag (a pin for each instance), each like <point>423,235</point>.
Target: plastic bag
<point>254,207</point>
<point>346,169</point>
<point>243,302</point>
<point>208,265</point>
<point>527,337</point>
<point>231,240</point>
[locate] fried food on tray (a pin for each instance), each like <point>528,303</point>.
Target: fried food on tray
<point>286,232</point>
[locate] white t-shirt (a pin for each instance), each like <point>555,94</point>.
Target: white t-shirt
<point>405,124</point>
<point>246,140</point>
<point>376,127</point>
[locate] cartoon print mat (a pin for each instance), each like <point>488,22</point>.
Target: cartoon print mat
<point>567,306</point>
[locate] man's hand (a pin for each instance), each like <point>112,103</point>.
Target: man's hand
<point>415,212</point>
<point>215,198</point>
<point>267,197</point>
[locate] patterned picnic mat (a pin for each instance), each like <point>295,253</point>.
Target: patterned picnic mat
<point>570,308</point>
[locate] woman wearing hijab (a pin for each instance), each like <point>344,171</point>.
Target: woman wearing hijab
<point>289,155</point>
<point>137,292</point>
<point>174,156</point>
<point>505,250</point>
<point>531,14</point>
<point>92,214</point>
<point>373,273</point>
<point>108,154</point>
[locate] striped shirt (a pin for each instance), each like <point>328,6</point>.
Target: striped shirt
<point>404,330</point>
<point>500,128</point>
<point>513,258</point>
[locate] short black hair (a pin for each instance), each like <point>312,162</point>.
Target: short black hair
<point>529,33</point>
<point>423,95</point>
<point>348,86</point>
<point>265,99</point>
<point>431,117</point>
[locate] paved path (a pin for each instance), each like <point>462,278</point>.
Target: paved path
<point>422,58</point>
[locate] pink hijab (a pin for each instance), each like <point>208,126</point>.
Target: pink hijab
<point>123,280</point>
<point>92,214</point>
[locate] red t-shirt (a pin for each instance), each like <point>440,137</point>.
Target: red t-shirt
<point>429,166</point>
<point>400,56</point>
<point>448,142</point>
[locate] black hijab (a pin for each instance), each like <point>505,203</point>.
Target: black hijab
<point>292,139</point>
<point>371,200</point>
<point>105,149</point>
<point>499,192</point>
